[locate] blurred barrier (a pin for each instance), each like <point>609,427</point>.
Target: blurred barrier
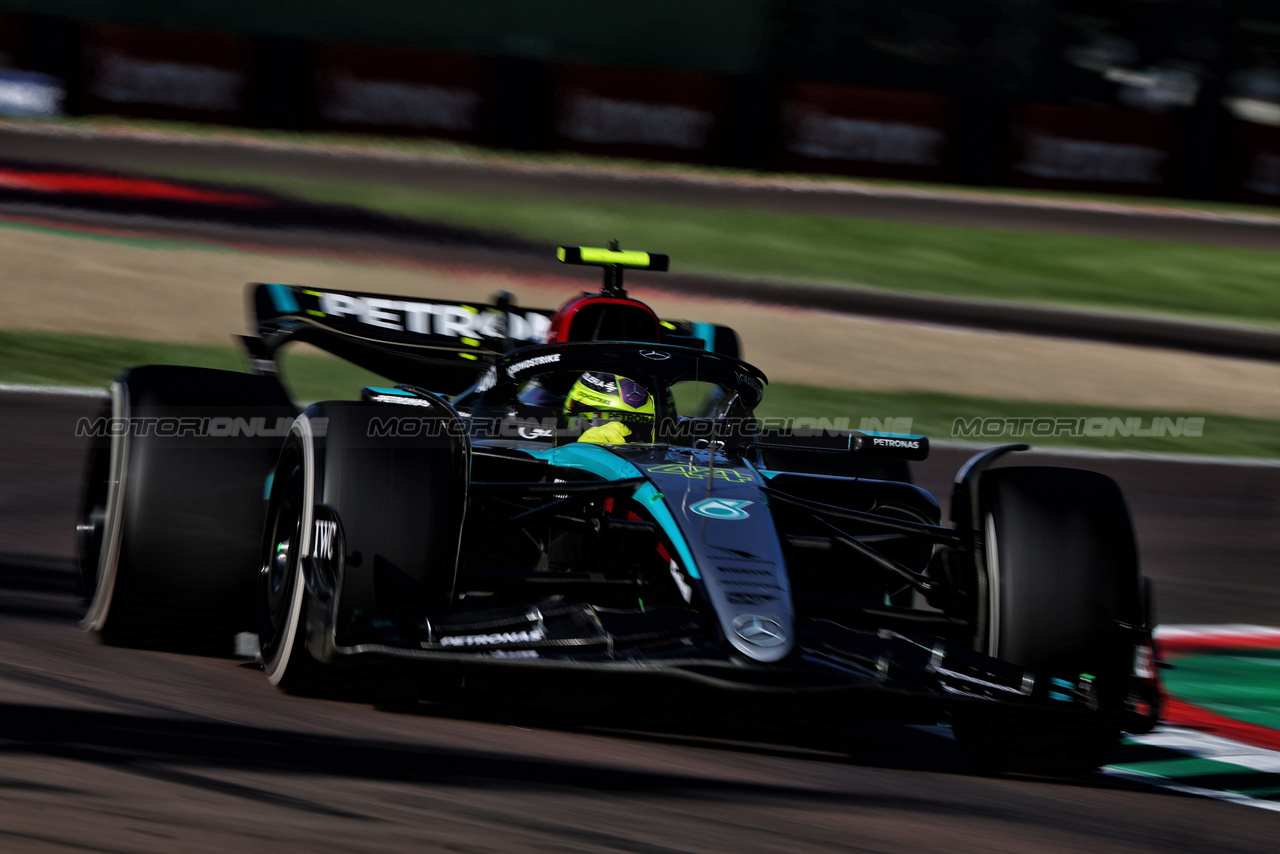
<point>1093,149</point>
<point>363,87</point>
<point>881,132</point>
<point>168,74</point>
<point>716,82</point>
<point>1253,163</point>
<point>638,112</point>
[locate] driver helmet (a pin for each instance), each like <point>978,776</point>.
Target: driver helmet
<point>597,399</point>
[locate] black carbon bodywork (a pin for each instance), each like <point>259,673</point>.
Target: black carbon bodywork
<point>691,557</point>
<point>464,520</point>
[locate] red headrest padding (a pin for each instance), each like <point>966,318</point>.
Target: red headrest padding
<point>596,318</point>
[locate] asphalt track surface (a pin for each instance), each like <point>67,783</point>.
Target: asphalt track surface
<point>355,233</point>
<point>105,749</point>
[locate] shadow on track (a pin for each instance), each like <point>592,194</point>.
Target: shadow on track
<point>39,586</point>
<point>865,743</point>
<point>145,744</point>
<point>47,588</point>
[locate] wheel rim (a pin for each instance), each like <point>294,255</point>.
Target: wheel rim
<point>92,522</point>
<point>279,572</point>
<point>89,535</point>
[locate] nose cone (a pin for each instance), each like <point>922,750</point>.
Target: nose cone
<point>760,637</point>
<point>744,575</point>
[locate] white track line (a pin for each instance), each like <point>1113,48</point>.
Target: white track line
<point>1204,746</point>
<point>56,390</point>
<point>1162,783</point>
<point>1216,747</point>
<point>1234,630</point>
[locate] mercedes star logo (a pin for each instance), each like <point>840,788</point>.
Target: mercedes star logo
<point>656,355</point>
<point>760,631</point>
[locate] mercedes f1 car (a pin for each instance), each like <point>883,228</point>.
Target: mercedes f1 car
<point>588,492</point>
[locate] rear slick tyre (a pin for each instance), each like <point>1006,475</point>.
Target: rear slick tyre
<point>172,509</point>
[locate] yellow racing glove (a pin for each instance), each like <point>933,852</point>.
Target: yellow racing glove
<point>613,433</point>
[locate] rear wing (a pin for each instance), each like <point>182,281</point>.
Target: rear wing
<point>443,345</point>
<point>445,325</point>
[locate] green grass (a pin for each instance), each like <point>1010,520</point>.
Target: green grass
<point>61,359</point>
<point>1225,284</point>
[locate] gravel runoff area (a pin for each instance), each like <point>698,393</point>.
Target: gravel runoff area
<point>63,281</point>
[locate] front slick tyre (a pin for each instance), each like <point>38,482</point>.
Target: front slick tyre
<point>1061,576</point>
<point>362,530</point>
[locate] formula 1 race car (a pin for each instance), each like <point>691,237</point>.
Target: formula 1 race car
<point>588,493</point>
